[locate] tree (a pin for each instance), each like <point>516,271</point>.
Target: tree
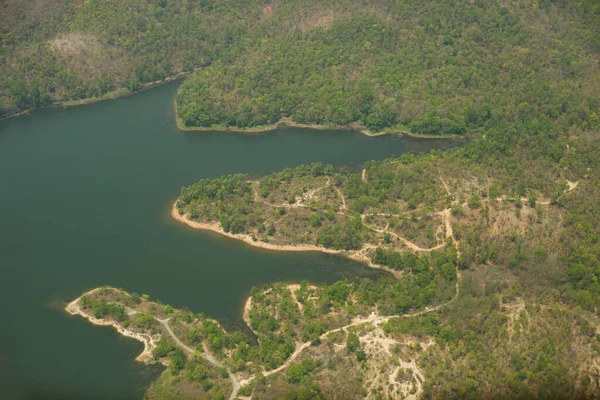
<point>352,342</point>
<point>178,361</point>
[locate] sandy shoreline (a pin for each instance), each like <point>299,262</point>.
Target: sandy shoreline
<point>246,312</point>
<point>145,356</point>
<point>216,228</point>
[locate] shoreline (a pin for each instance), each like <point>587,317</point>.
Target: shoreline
<point>146,357</point>
<point>216,228</point>
<point>112,95</point>
<point>283,122</point>
<point>287,122</point>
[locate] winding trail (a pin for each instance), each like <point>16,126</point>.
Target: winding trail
<point>344,207</point>
<point>149,341</point>
<point>299,200</point>
<point>359,254</point>
<point>445,185</point>
<point>206,354</point>
<point>407,242</point>
<point>376,319</point>
<point>165,323</point>
<point>373,318</point>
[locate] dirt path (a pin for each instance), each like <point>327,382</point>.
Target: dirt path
<point>525,200</point>
<point>74,308</point>
<point>446,223</point>
<point>344,207</point>
<point>407,242</point>
<point>299,199</point>
<point>445,186</point>
<point>300,347</point>
<point>572,185</point>
<point>293,288</point>
<point>216,228</point>
<point>255,185</point>
<point>165,323</point>
<point>207,355</point>
<point>378,320</point>
<point>373,318</point>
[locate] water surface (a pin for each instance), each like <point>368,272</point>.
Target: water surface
<point>85,196</point>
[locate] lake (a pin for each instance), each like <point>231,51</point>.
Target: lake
<point>85,199</point>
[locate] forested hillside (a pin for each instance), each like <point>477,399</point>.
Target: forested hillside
<point>491,250</point>
<point>516,207</point>
<point>394,65</point>
<point>57,51</point>
<point>431,70</point>
<point>511,219</point>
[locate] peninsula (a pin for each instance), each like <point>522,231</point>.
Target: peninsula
<point>205,361</point>
<point>492,250</point>
<point>466,241</point>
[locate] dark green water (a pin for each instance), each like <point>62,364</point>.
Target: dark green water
<point>85,199</point>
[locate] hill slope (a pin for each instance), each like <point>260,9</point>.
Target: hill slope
<point>52,51</point>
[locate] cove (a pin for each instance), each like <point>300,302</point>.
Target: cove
<point>85,200</point>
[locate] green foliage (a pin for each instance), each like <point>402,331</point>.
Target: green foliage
<point>584,272</point>
<point>361,356</point>
<point>144,320</point>
<point>315,220</point>
<point>163,348</point>
<point>457,210</point>
<point>306,391</point>
<point>344,236</point>
<point>474,202</point>
<point>352,342</point>
<point>178,361</point>
<point>478,359</point>
<point>103,309</point>
<point>297,372</point>
<point>526,95</point>
<point>396,260</point>
<point>373,71</point>
<point>135,298</point>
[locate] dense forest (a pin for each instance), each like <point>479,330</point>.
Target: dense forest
<point>516,205</point>
<point>384,64</point>
<point>437,71</point>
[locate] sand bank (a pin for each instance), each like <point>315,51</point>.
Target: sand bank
<point>74,308</point>
<point>216,227</point>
